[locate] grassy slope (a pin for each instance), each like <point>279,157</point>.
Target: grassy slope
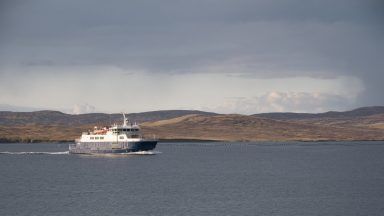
<point>56,126</point>
<point>246,128</point>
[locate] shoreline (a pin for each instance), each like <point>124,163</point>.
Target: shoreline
<point>32,141</point>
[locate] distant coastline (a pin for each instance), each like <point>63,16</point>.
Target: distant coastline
<point>362,124</point>
<point>4,141</point>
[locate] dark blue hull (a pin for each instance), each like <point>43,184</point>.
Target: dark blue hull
<point>112,148</point>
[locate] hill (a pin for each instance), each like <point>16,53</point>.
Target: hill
<point>360,112</point>
<point>251,128</point>
<point>365,123</point>
<point>49,125</point>
<point>47,117</point>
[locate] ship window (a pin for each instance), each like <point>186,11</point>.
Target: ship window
<point>92,137</point>
<point>121,137</point>
<point>96,137</point>
<point>101,137</point>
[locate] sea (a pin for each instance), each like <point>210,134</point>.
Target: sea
<point>195,178</point>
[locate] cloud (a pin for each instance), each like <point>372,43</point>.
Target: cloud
<point>7,107</point>
<point>285,102</point>
<point>267,39</point>
<point>261,38</point>
<point>82,108</point>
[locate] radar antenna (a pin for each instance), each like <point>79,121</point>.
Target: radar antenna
<point>125,120</point>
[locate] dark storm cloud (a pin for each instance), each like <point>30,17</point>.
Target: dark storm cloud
<point>265,39</point>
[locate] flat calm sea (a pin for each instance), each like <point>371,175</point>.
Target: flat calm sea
<point>293,178</point>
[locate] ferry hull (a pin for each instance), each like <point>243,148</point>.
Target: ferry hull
<point>112,148</point>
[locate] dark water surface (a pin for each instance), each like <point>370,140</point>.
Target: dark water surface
<point>344,178</point>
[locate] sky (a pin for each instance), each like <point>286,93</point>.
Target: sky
<point>225,56</point>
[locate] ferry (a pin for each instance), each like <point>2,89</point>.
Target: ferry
<point>115,139</point>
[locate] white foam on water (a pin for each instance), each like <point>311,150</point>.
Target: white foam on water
<point>119,155</point>
<point>142,153</point>
<point>38,153</point>
<point>67,152</point>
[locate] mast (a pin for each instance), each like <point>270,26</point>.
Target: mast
<point>125,120</point>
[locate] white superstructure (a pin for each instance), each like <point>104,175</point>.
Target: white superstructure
<point>117,133</point>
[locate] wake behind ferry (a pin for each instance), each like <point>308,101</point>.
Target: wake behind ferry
<point>115,139</point>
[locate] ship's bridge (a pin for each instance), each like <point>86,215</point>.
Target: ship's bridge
<point>118,129</point>
<point>127,127</point>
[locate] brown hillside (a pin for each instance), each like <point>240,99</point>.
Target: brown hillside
<point>360,124</point>
<point>246,128</point>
